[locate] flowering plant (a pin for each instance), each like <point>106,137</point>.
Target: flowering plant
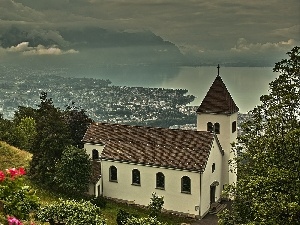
<point>13,221</point>
<point>16,198</point>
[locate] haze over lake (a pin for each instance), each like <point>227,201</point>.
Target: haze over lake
<point>246,84</point>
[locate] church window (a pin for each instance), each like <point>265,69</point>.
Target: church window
<point>136,177</point>
<point>95,154</point>
<point>185,185</point>
<point>233,126</point>
<point>113,174</point>
<point>160,180</point>
<point>217,128</point>
<point>209,126</point>
<point>213,167</point>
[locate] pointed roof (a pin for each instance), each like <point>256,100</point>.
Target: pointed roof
<point>218,99</point>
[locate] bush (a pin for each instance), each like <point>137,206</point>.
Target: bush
<point>156,205</point>
<point>122,217</point>
<point>98,201</point>
<point>15,198</point>
<point>71,212</point>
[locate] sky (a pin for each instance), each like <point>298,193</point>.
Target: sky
<point>233,32</point>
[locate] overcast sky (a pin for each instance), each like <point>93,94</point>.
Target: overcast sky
<point>210,29</point>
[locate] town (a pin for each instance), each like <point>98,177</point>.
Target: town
<point>101,100</point>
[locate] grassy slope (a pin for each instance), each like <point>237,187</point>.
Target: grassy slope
<point>14,157</point>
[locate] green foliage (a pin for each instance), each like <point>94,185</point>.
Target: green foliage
<point>73,171</point>
<point>26,130</point>
<point>71,212</point>
<point>98,201</point>
<point>268,187</point>
<point>144,221</point>
<point>123,216</point>
<point>156,205</point>
<point>51,139</point>
<point>77,122</point>
<point>18,199</point>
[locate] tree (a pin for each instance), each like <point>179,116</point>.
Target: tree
<point>78,122</point>
<point>268,159</point>
<point>51,139</point>
<point>73,171</point>
<point>26,130</point>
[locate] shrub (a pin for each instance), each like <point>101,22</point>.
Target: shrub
<point>16,198</point>
<point>71,212</point>
<point>156,205</point>
<point>122,217</point>
<point>98,201</point>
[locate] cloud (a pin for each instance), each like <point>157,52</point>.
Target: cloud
<point>243,46</point>
<point>25,49</point>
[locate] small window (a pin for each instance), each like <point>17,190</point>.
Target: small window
<point>113,174</point>
<point>233,127</point>
<point>209,126</point>
<point>217,128</point>
<point>136,177</point>
<point>160,180</point>
<point>186,185</point>
<point>213,167</point>
<point>95,154</point>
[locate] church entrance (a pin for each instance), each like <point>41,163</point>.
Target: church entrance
<point>212,193</point>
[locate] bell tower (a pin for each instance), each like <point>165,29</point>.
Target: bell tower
<point>218,113</point>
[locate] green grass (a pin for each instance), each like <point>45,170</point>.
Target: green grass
<point>13,157</point>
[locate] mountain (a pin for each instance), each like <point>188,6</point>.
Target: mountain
<point>92,45</point>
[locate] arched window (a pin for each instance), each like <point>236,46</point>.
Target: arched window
<point>113,173</point>
<point>95,154</point>
<point>233,127</point>
<point>217,128</point>
<point>209,126</point>
<point>160,180</point>
<point>185,184</point>
<point>213,167</point>
<point>136,177</point>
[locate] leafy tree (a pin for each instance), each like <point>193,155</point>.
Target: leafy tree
<point>73,171</point>
<point>26,131</point>
<point>70,212</point>
<point>51,139</point>
<point>268,163</point>
<point>78,122</point>
<point>6,130</point>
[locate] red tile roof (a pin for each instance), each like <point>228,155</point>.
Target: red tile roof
<point>177,149</point>
<point>218,99</point>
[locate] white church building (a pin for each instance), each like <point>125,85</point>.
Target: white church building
<point>188,168</point>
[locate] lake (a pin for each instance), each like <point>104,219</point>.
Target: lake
<point>246,84</point>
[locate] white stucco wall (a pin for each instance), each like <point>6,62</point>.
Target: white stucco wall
<point>208,177</point>
<point>89,148</point>
<point>174,199</point>
<point>226,137</point>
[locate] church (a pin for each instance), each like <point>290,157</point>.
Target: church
<point>188,168</point>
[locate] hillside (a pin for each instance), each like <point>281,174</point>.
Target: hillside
<point>13,157</point>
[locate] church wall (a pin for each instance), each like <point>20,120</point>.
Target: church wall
<point>209,177</point>
<point>173,198</point>
<point>226,137</point>
<point>89,148</point>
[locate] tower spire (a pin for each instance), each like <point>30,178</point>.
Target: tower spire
<point>218,69</point>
